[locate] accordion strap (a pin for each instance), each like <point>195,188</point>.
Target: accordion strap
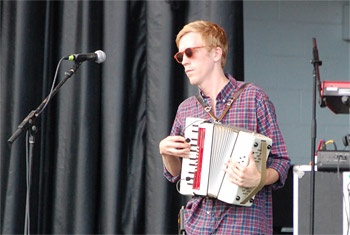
<point>209,110</point>
<point>261,184</point>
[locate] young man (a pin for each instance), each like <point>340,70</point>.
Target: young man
<point>202,51</point>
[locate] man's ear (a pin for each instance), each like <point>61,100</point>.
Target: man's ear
<point>217,53</point>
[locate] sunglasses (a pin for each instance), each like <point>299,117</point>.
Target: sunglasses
<point>188,52</point>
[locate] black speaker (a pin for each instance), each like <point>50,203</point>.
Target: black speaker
<point>328,207</point>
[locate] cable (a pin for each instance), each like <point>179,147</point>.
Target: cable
<point>52,87</point>
<point>346,209</point>
<point>320,144</point>
<point>177,186</point>
<point>333,142</point>
<point>347,215</point>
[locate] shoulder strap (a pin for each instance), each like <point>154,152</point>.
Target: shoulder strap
<point>234,98</point>
<point>208,109</point>
<point>261,184</point>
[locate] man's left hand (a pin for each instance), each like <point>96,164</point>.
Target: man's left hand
<point>243,176</point>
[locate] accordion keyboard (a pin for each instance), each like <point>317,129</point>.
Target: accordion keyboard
<point>189,165</point>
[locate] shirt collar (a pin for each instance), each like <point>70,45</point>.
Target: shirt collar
<point>227,91</point>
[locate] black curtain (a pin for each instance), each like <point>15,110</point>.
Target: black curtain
<point>96,164</point>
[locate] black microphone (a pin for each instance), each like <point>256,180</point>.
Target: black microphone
<point>316,58</point>
<point>98,56</point>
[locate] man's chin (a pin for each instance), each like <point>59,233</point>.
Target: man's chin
<point>192,81</point>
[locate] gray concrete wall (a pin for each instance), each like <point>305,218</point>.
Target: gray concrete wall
<point>277,53</point>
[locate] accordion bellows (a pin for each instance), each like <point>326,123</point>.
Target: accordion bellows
<point>211,145</point>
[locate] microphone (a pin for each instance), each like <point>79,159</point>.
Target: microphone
<point>98,56</point>
<point>316,58</point>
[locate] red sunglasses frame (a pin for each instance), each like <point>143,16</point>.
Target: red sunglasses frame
<point>188,52</point>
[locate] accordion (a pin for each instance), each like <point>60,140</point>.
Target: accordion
<point>211,145</point>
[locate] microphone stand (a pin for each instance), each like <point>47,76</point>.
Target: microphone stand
<point>29,153</point>
<point>316,83</point>
<point>28,124</point>
<point>34,114</point>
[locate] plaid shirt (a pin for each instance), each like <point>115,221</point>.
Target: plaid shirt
<point>253,111</point>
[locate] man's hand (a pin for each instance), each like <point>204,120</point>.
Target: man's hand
<point>172,148</point>
<point>243,176</point>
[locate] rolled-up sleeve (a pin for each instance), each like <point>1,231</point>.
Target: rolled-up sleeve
<point>169,177</point>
